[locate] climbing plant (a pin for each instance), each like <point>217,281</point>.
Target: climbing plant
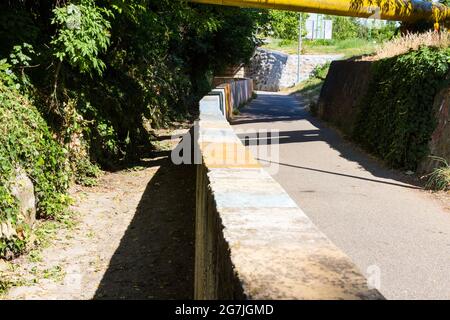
<point>396,117</point>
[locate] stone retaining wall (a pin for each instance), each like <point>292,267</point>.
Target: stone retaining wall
<point>346,85</point>
<point>274,71</point>
<point>266,68</point>
<point>252,240</point>
<point>307,65</point>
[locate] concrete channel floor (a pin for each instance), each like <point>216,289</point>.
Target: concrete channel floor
<point>397,234</point>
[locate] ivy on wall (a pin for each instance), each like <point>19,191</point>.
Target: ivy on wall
<point>396,119</point>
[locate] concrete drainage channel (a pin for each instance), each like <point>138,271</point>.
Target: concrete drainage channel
<point>252,240</point>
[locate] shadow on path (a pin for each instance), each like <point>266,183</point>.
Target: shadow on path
<point>342,174</point>
<point>269,109</point>
<point>155,258</point>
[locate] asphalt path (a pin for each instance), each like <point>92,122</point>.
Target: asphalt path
<point>396,233</point>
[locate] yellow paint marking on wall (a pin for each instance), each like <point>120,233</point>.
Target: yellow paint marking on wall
<point>227,155</point>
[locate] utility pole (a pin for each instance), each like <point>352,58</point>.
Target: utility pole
<point>299,50</point>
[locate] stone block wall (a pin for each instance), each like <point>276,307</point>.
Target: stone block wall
<point>266,69</point>
<point>274,71</point>
<point>307,65</point>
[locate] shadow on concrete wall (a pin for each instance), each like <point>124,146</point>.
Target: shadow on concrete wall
<point>155,258</point>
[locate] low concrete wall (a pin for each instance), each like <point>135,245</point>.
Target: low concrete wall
<point>252,240</point>
<point>235,92</point>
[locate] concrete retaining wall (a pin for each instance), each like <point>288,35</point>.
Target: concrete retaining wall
<point>346,84</point>
<point>252,240</point>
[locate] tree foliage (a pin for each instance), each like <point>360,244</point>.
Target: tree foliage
<point>97,77</point>
<point>285,24</point>
<point>82,34</point>
<point>350,28</point>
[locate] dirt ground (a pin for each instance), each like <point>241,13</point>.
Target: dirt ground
<point>133,238</point>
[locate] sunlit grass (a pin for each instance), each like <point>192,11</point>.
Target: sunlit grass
<point>439,179</point>
<point>347,47</point>
<point>411,41</point>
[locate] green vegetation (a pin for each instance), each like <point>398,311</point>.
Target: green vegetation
<point>439,179</point>
<point>350,28</point>
<point>284,24</point>
<point>321,71</point>
<point>27,143</point>
<point>396,118</point>
<point>84,83</point>
<point>350,37</point>
<point>348,47</point>
<point>309,90</point>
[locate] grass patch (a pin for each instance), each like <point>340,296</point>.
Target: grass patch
<point>411,41</point>
<point>348,47</point>
<point>309,91</point>
<point>310,88</point>
<point>55,273</point>
<point>5,285</point>
<point>44,235</point>
<point>439,179</point>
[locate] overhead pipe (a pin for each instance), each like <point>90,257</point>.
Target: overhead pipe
<point>397,10</point>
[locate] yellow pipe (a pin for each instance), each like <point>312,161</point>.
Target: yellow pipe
<point>398,10</point>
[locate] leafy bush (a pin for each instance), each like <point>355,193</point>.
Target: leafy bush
<point>321,71</point>
<point>27,143</point>
<point>127,66</point>
<point>396,118</point>
<point>83,33</point>
<point>350,28</point>
<point>85,82</point>
<point>384,33</point>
